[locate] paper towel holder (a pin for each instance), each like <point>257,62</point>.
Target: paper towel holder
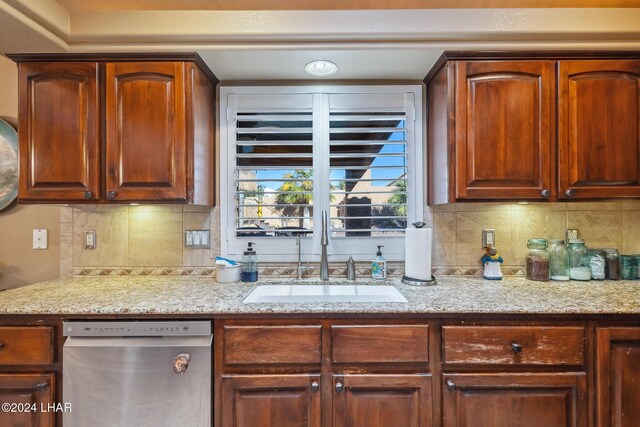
<point>418,282</point>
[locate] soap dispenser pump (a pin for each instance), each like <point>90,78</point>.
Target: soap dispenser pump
<point>249,269</point>
<point>379,265</point>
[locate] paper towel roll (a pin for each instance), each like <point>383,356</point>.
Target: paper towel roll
<point>417,253</point>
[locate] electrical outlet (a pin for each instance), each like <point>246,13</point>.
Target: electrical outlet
<point>571,233</point>
<point>40,238</point>
<point>488,237</point>
<point>90,239</point>
<point>196,239</point>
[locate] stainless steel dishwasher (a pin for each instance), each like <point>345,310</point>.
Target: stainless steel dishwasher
<point>137,374</point>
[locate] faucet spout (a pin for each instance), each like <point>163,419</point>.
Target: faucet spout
<point>324,242</point>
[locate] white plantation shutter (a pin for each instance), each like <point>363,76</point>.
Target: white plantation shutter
<point>288,153</point>
<point>368,163</point>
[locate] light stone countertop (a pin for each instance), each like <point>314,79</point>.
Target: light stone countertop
<point>176,295</point>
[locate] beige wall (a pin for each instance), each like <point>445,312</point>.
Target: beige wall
<point>19,263</point>
<point>152,236</point>
<point>458,228</point>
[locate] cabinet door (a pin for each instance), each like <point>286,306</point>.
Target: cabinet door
<point>504,132</point>
<point>617,377</point>
<point>271,400</point>
<point>59,131</point>
<point>27,400</point>
<point>382,400</point>
<point>599,129</point>
<point>507,400</point>
<point>146,139</point>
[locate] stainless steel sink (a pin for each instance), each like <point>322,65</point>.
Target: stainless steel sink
<point>324,293</point>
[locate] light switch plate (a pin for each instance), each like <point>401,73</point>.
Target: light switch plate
<point>488,237</point>
<point>90,239</point>
<point>572,233</point>
<point>40,238</point>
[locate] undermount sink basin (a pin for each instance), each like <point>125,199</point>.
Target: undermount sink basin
<point>324,293</point>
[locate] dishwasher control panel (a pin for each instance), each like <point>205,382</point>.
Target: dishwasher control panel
<point>135,329</point>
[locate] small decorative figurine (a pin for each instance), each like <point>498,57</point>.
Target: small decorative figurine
<point>491,261</point>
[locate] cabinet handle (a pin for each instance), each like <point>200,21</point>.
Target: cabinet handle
<point>42,386</point>
<point>111,195</point>
<point>88,194</point>
<point>570,193</point>
<point>517,348</point>
<point>315,386</point>
<point>181,363</point>
<point>545,193</point>
<point>1,345</point>
<point>339,387</point>
<point>451,386</point>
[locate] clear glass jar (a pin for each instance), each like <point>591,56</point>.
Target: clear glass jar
<point>628,267</point>
<point>558,260</point>
<point>537,258</point>
<point>597,264</point>
<point>579,268</point>
<point>637,266</point>
<point>612,264</point>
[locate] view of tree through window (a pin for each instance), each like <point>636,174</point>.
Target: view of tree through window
<point>275,179</point>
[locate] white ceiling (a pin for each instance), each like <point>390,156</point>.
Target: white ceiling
<point>389,44</point>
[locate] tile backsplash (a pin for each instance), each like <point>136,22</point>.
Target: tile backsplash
<point>149,239</point>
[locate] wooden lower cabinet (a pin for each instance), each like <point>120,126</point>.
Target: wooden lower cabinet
<point>271,400</point>
<point>618,377</point>
<point>370,400</point>
<point>515,399</point>
<point>28,400</point>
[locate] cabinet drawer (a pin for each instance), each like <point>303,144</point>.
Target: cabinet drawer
<point>379,343</point>
<point>25,345</point>
<point>518,345</point>
<point>295,344</point>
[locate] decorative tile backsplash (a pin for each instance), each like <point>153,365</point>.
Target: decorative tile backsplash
<point>148,239</point>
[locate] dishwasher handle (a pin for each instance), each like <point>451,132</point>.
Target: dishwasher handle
<point>181,363</point>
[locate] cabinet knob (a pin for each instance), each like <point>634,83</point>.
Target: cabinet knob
<point>517,348</point>
<point>42,386</point>
<point>339,387</point>
<point>451,386</point>
<point>88,195</point>
<point>545,193</point>
<point>569,193</point>
<point>111,195</point>
<point>1,345</point>
<point>315,386</point>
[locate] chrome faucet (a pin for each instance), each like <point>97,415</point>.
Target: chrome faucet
<point>324,242</point>
<point>300,267</point>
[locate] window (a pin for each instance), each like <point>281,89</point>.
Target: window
<point>289,153</point>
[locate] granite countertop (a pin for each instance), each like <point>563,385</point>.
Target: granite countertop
<point>193,295</point>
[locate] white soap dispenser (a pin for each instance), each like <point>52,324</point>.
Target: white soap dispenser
<point>379,265</point>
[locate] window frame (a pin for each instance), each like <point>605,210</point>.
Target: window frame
<point>280,249</point>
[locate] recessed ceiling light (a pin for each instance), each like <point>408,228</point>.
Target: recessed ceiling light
<point>321,68</point>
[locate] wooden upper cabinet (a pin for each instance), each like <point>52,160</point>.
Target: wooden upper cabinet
<point>145,131</point>
<point>110,128</point>
<point>504,130</point>
<point>599,129</point>
<point>533,126</point>
<point>59,131</point>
